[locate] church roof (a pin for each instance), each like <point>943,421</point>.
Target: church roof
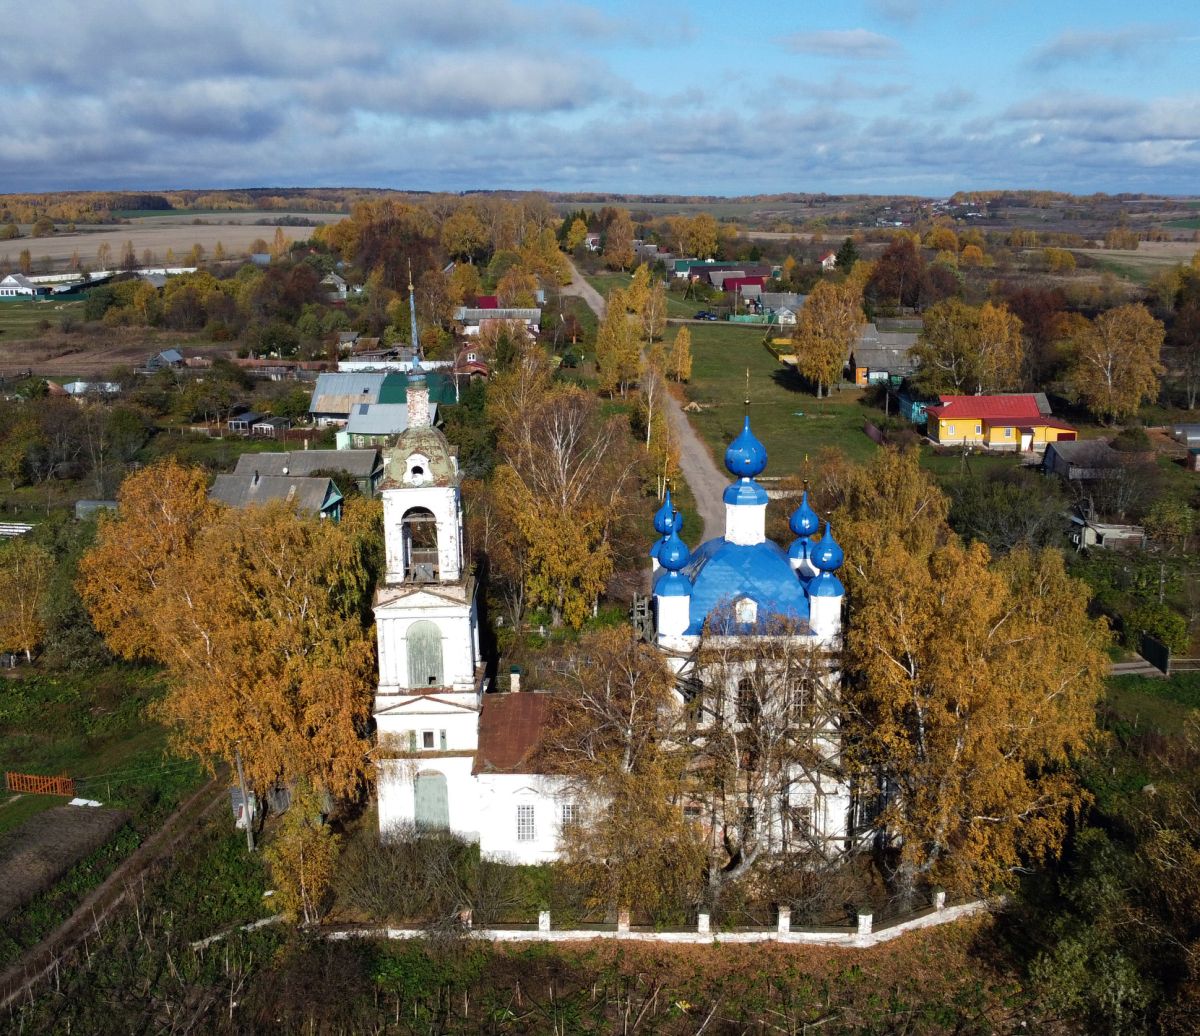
<point>433,446</point>
<point>510,729</point>
<point>722,572</point>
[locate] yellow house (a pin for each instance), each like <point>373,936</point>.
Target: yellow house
<point>1016,422</point>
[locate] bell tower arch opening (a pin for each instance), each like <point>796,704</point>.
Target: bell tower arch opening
<point>419,538</point>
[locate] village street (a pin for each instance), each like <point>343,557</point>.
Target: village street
<point>702,475</point>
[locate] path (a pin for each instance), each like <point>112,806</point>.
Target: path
<point>701,473</point>
<point>43,959</point>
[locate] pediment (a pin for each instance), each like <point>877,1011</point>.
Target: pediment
<point>405,599</point>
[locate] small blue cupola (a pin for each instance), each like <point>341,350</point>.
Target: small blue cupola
<point>672,589</point>
<point>804,520</point>
<point>664,517</point>
<point>746,457</point>
<point>827,557</point>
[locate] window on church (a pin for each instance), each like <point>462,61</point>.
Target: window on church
<point>747,701</point>
<point>426,739</point>
<point>797,826</point>
<point>692,812</point>
<point>570,815</point>
<point>803,702</point>
<point>526,832</point>
<point>746,611</point>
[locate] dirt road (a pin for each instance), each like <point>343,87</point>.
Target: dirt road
<point>699,470</point>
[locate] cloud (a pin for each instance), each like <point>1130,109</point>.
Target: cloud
<point>840,87</point>
<point>1075,46</point>
<point>952,100</point>
<point>904,11</point>
<point>855,44</point>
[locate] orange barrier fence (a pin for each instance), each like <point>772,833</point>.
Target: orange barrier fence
<point>35,784</point>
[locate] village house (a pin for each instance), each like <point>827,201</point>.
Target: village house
<point>364,467</point>
<point>1082,460</point>
<point>878,356</point>
<point>311,496</point>
<point>1019,422</point>
<point>17,286</point>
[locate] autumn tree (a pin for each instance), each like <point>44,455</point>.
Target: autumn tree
<point>970,684</point>
<point>825,330</point>
<point>701,236</point>
<point>259,615</point>
<point>653,313</point>
<point>617,351</point>
<point>563,492</point>
<point>25,573</point>
<point>618,242</point>
<point>1115,365</point>
<point>517,288</point>
<point>680,365</point>
<point>302,856</point>
<point>898,278</point>
<point>464,235</point>
<point>962,348</point>
<point>576,235</point>
<point>612,725</point>
<point>25,262</point>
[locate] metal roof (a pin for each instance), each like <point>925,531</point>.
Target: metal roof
<point>510,728</point>
<point>359,463</point>
<point>312,495</point>
<point>378,419</point>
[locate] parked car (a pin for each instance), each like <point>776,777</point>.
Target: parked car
<point>704,314</point>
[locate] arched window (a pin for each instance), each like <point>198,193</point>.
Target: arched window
<point>419,535</point>
<point>431,810</point>
<point>424,655</point>
<point>747,701</point>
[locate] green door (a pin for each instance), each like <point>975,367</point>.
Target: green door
<point>432,804</point>
<point>424,655</point>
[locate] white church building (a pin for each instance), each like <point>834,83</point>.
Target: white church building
<point>455,755</point>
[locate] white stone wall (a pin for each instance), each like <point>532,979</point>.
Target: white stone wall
<point>460,643</point>
<point>499,797</point>
<point>396,791</point>
<point>746,524</point>
<point>443,503</point>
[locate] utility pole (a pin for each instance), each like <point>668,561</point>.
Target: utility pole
<point>246,811</point>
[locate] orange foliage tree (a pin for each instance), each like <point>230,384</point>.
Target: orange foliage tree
<point>260,616</point>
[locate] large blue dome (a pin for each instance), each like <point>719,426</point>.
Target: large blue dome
<point>746,456</point>
<point>722,573</point>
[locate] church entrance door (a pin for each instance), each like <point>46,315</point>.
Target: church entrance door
<point>432,809</point>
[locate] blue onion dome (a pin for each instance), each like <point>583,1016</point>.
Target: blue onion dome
<point>657,547</point>
<point>746,456</point>
<point>804,520</point>
<point>800,549</point>
<point>827,555</point>
<point>664,517</point>
<point>674,553</point>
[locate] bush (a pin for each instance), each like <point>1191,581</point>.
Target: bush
<point>1158,621</point>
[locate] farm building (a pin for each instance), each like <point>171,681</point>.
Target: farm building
<point>17,286</point>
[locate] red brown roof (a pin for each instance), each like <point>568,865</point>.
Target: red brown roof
<point>995,408</point>
<point>510,728</point>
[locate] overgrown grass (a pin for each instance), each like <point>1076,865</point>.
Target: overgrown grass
<point>16,809</point>
<point>791,422</point>
<point>23,320</point>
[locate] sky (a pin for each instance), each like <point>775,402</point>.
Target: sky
<point>862,96</point>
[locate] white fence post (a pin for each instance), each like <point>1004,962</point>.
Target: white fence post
<point>702,924</point>
<point>939,900</point>
<point>543,920</point>
<point>865,920</point>
<point>623,920</point>
<point>784,924</point>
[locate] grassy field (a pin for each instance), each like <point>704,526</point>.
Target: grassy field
<point>25,320</point>
<point>16,809</point>
<point>1150,704</point>
<point>792,423</point>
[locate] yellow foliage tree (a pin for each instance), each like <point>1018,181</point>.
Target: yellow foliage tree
<point>942,239</point>
<point>463,234</point>
<point>302,856</point>
<point>681,355</point>
<point>576,235</point>
<point>1115,366</point>
<point>825,330</point>
<point>618,242</point>
<point>25,571</point>
<point>701,236</point>
<point>517,288</point>
<point>972,255</point>
<point>970,684</point>
<point>617,346</point>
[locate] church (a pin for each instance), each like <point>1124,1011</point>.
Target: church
<point>455,754</point>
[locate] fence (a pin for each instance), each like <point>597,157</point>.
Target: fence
<point>35,784</point>
<point>864,933</point>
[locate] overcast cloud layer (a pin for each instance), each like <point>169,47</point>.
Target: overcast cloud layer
<point>921,96</point>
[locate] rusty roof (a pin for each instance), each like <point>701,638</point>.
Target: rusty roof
<point>509,731</point>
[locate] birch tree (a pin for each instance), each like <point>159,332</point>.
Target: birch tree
<point>1115,367</point>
